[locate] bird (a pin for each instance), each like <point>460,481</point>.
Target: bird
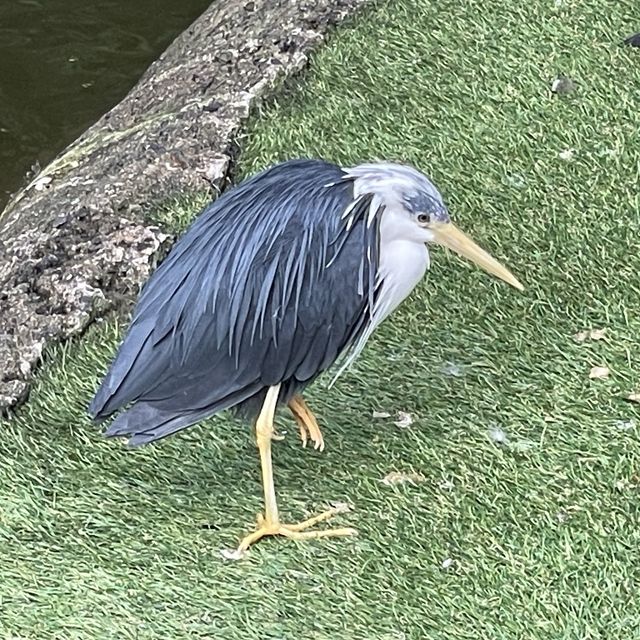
<point>633,40</point>
<point>281,278</point>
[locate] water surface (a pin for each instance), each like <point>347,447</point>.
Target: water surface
<point>63,63</point>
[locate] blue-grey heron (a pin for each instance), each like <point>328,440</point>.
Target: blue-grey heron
<point>271,284</point>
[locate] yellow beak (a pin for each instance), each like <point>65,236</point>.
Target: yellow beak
<point>448,235</point>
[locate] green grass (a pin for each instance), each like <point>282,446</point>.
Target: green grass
<point>540,534</point>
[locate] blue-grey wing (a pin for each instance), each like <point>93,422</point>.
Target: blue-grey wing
<point>269,285</point>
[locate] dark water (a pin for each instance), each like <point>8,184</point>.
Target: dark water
<point>63,63</point>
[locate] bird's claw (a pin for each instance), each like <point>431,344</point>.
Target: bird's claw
<point>309,429</point>
<point>294,531</point>
<point>311,432</point>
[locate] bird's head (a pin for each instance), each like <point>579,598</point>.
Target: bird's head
<point>415,211</point>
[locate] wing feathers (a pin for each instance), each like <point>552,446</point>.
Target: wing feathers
<point>270,283</point>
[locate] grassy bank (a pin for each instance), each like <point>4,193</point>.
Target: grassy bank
<point>522,517</point>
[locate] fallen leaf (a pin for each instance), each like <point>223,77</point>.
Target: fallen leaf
<point>516,180</point>
<point>498,435</point>
<point>232,554</point>
<point>591,334</point>
<point>446,563</point>
<point>447,485</point>
<point>568,512</point>
<point>404,420</point>
<point>621,485</point>
<point>599,373</point>
<point>397,477</point>
<point>521,446</point>
<point>340,507</point>
<point>563,85</point>
<point>381,414</point>
<point>625,425</point>
<point>452,369</point>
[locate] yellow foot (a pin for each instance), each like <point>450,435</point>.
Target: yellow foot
<point>294,531</point>
<point>309,429</point>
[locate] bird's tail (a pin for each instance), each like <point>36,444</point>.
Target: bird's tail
<point>148,421</point>
<point>145,423</point>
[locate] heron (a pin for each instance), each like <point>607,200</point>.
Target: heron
<point>276,281</point>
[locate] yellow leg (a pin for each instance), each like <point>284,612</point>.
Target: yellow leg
<point>307,422</point>
<point>269,524</point>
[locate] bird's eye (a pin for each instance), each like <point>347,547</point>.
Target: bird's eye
<point>423,218</point>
